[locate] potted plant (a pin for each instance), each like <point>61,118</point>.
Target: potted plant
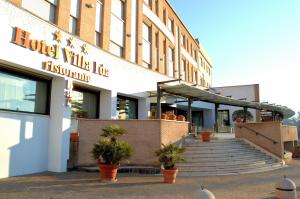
<point>181,118</point>
<point>168,156</point>
<point>109,151</point>
<point>205,135</point>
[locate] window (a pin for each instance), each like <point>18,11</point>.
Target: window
<point>156,50</point>
<point>117,29</point>
<point>46,9</point>
<point>127,107</point>
<point>195,76</point>
<point>171,62</point>
<point>156,7</point>
<point>183,40</point>
<point>170,24</point>
<point>98,25</point>
<point>85,103</point>
<point>165,16</point>
<point>74,15</point>
<point>183,70</point>
<point>23,93</point>
<point>147,2</point>
<point>146,46</point>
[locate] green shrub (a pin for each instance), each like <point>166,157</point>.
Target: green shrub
<point>169,155</point>
<point>108,149</point>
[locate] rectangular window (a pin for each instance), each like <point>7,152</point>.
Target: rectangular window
<point>74,15</point>
<point>116,49</point>
<point>171,62</point>
<point>195,77</point>
<point>183,70</point>
<point>170,24</point>
<point>165,16</point>
<point>98,25</point>
<point>156,7</point>
<point>117,30</point>
<point>45,9</point>
<point>146,45</point>
<point>127,107</point>
<point>23,93</point>
<point>183,40</point>
<point>156,50</point>
<point>85,103</point>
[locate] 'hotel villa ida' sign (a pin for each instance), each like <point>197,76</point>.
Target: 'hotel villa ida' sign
<point>22,38</point>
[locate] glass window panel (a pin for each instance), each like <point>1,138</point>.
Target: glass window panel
<point>117,30</point>
<point>23,94</point>
<point>42,8</point>
<point>117,8</point>
<point>115,49</point>
<point>98,16</point>
<point>127,107</point>
<point>84,104</point>
<point>75,8</point>
<point>73,25</point>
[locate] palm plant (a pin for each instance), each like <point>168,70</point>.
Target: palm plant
<point>169,155</point>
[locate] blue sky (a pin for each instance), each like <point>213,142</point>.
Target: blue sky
<point>250,41</point>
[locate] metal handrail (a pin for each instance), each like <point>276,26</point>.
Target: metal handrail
<point>258,133</point>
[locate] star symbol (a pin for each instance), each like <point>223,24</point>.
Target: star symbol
<point>71,42</point>
<point>58,36</point>
<point>85,49</point>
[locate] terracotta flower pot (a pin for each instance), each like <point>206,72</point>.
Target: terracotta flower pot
<point>181,118</point>
<point>205,136</point>
<point>172,117</point>
<point>108,172</point>
<point>164,116</point>
<point>74,137</point>
<point>170,175</point>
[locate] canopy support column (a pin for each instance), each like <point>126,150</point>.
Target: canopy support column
<point>158,104</point>
<point>189,115</point>
<point>245,114</point>
<point>216,117</point>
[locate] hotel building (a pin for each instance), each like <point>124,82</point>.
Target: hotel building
<point>96,59</point>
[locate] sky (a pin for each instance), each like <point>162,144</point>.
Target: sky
<point>250,41</point>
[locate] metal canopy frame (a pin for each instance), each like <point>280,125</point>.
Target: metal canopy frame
<point>196,93</point>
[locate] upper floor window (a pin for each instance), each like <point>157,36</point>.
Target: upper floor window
<point>46,9</point>
<point>117,29</point>
<point>98,25</point>
<point>22,93</point>
<point>171,62</point>
<point>156,7</point>
<point>147,2</point>
<point>146,45</point>
<point>74,16</point>
<point>170,24</point>
<point>183,70</point>
<point>183,40</point>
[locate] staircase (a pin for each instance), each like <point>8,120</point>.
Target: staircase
<point>224,157</point>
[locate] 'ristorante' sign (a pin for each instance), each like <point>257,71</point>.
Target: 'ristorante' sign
<point>22,38</point>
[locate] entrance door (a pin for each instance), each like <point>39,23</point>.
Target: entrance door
<point>223,121</point>
<point>197,117</point>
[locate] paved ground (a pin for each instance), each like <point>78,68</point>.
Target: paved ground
<point>85,185</point>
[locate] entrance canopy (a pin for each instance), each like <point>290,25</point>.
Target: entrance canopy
<point>195,93</point>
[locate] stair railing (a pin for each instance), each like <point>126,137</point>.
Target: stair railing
<point>258,133</point>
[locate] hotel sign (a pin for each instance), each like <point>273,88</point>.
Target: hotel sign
<point>22,38</point>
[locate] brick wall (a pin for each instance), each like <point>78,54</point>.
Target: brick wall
<point>145,135</point>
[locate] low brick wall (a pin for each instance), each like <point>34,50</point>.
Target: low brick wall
<point>271,130</point>
<point>145,135</point>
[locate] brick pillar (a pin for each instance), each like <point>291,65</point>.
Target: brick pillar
<point>139,32</point>
<point>105,40</point>
<point>16,2</point>
<point>167,57</point>
<point>160,52</point>
<point>87,20</point>
<point>127,51</point>
<point>63,14</point>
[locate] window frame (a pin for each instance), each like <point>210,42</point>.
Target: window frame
<point>136,101</point>
<point>32,77</point>
<point>97,93</point>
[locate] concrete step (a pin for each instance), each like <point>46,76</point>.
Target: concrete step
<point>227,171</point>
<point>224,157</point>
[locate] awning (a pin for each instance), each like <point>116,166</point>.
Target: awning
<point>196,93</point>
